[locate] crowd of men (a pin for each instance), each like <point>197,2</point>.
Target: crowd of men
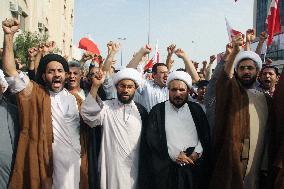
<point>67,127</point>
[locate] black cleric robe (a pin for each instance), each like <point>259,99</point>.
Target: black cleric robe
<point>163,172</point>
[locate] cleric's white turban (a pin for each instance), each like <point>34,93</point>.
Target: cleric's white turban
<point>248,55</point>
<point>180,75</point>
<point>128,73</point>
<point>3,82</point>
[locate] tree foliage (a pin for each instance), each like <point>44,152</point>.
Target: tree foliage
<point>26,40</point>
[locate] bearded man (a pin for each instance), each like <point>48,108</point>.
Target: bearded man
<point>123,122</point>
<point>52,146</point>
<point>240,132</point>
<point>178,139</point>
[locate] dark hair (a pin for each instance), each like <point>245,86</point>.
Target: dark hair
<point>270,66</point>
<point>181,69</point>
<point>155,67</point>
<point>43,63</point>
<point>202,83</point>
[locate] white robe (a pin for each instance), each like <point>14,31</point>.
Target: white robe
<point>66,147</point>
<point>118,161</point>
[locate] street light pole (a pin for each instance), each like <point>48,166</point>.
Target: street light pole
<point>121,39</point>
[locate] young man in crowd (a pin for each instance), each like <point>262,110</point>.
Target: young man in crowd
<point>155,91</point>
<point>268,79</point>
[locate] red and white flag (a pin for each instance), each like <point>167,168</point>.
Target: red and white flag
<point>155,59</point>
<point>231,32</point>
<point>273,23</point>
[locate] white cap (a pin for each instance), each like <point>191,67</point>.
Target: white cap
<point>180,75</point>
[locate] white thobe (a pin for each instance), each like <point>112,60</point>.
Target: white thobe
<point>66,147</point>
<point>149,94</point>
<point>180,130</point>
<point>118,159</point>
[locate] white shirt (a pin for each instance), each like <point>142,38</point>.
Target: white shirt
<point>119,155</point>
<point>66,147</point>
<point>149,94</point>
<point>180,130</point>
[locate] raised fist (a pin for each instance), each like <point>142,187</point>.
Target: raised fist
<point>10,26</point>
<point>171,49</point>
<point>145,50</point>
<point>180,53</point>
<point>250,35</point>
<point>32,52</point>
<point>262,36</point>
<point>113,47</point>
<point>212,58</point>
<point>237,42</point>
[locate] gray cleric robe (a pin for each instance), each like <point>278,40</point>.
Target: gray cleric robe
<point>9,130</point>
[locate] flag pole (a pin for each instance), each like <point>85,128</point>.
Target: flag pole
<point>149,24</point>
<point>264,56</point>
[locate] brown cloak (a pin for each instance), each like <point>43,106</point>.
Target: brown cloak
<point>33,165</point>
<point>277,136</point>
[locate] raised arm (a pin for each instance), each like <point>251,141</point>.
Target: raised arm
<point>92,106</point>
<point>10,27</point>
<point>250,36</point>
<point>208,73</point>
<point>113,48</point>
<point>237,42</point>
<point>169,61</point>
<point>188,65</point>
<point>262,38</point>
<point>138,57</point>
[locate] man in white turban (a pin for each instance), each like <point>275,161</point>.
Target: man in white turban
<point>123,123</point>
<point>178,139</point>
<point>239,135</point>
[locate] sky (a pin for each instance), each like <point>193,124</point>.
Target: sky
<point>196,26</point>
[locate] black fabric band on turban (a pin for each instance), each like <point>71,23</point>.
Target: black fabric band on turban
<point>43,63</point>
<point>202,83</point>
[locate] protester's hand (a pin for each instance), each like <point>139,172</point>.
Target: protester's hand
<point>204,63</point>
<point>195,65</point>
<point>262,37</point>
<point>237,42</point>
<point>212,59</point>
<point>183,159</point>
<point>97,77</point>
<point>32,52</point>
<point>171,49</point>
<point>10,26</point>
<point>145,50</point>
<point>87,56</point>
<point>194,156</point>
<point>268,61</point>
<point>180,53</point>
<point>250,35</point>
<point>112,47</point>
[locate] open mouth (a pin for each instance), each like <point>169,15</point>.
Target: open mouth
<point>72,81</point>
<point>56,83</point>
<point>267,81</point>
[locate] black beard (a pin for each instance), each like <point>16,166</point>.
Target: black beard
<point>247,83</point>
<point>119,97</point>
<point>178,105</point>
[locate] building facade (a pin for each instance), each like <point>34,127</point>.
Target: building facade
<point>276,49</point>
<point>52,17</point>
